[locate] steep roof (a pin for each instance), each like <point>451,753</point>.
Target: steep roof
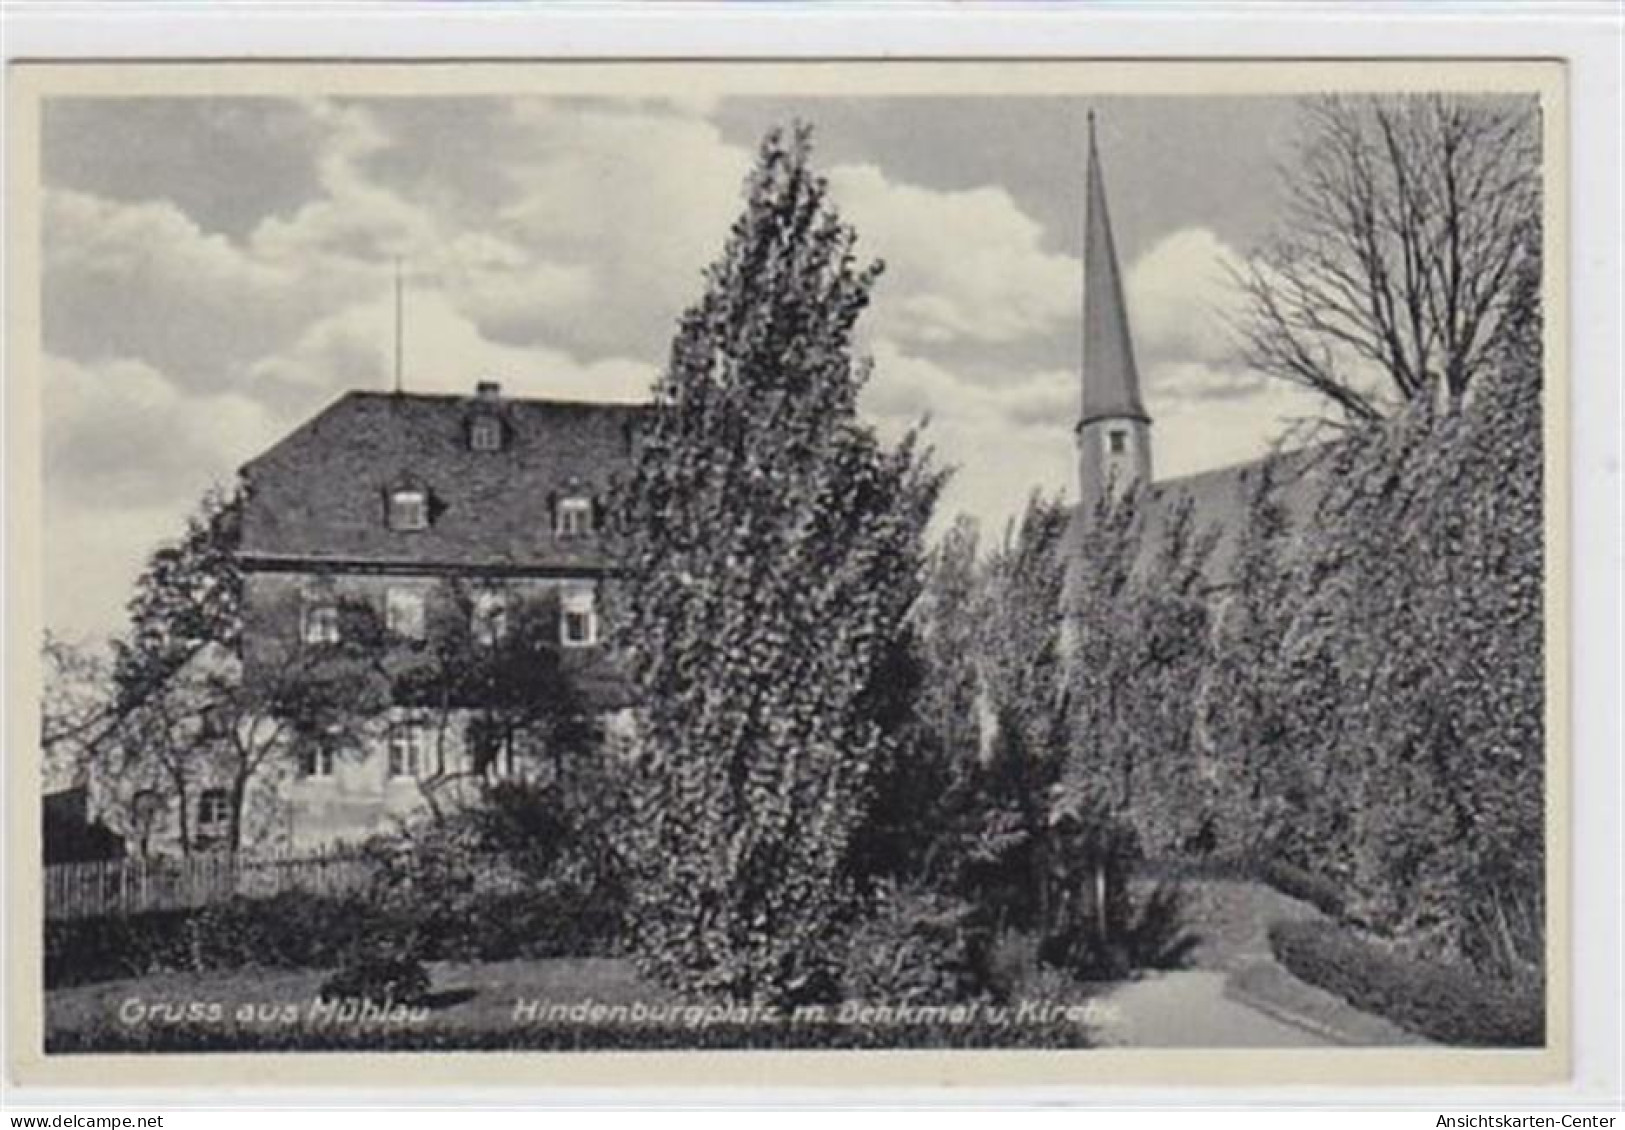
<point>1219,502</point>
<point>321,494</point>
<point>1111,382</point>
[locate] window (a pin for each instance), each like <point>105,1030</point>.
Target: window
<point>322,623</point>
<point>1118,439</point>
<point>578,621</point>
<point>316,760</point>
<point>489,618</point>
<point>485,434</point>
<point>409,509</point>
<point>403,613</point>
<point>213,810</point>
<point>406,742</point>
<point>491,745</point>
<point>574,517</point>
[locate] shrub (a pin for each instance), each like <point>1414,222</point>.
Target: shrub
<point>1148,934</point>
<point>1094,927</point>
<point>1294,882</point>
<point>915,947</point>
<point>1445,1003</point>
<point>1012,964</point>
<point>529,873</point>
<point>380,969</point>
<point>481,885</point>
<point>289,930</point>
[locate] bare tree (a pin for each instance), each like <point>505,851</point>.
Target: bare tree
<point>74,710</point>
<point>1403,237</point>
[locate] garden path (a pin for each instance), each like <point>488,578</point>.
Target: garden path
<point>1188,1008</point>
<point>1236,994</point>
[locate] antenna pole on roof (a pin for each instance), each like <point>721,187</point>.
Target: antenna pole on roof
<point>399,306</point>
<point>399,309</point>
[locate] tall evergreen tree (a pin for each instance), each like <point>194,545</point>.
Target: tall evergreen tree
<point>772,549</point>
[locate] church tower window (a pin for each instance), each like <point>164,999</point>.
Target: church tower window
<point>485,434</point>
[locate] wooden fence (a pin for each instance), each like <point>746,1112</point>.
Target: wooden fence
<point>130,886</point>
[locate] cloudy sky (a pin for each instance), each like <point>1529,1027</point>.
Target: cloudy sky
<point>218,270</point>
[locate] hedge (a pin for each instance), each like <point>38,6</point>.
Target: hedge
<point>1444,1003</point>
<point>1287,878</point>
<point>298,930</point>
<point>289,930</point>
<point>1294,882</point>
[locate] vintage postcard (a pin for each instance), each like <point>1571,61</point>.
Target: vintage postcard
<point>979,572</point>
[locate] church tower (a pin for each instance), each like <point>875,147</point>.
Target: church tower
<point>1113,433</point>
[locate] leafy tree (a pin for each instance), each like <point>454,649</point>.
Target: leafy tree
<point>950,638</point>
<point>193,709</point>
<point>1140,638</point>
<point>921,787</point>
<point>1006,844</point>
<point>1242,716</point>
<point>1402,239</point>
<point>1410,677</point>
<point>773,550</point>
<point>490,683</point>
<point>1021,627</point>
<point>188,598</point>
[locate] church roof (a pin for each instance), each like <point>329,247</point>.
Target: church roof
<point>1111,382</point>
<point>1219,501</point>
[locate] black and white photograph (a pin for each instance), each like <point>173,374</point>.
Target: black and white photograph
<point>689,557</point>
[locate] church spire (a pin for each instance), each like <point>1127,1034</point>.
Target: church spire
<point>1111,383</point>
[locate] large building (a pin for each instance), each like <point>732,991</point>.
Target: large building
<point>415,507</point>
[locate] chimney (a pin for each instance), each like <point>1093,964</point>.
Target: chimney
<point>488,391</point>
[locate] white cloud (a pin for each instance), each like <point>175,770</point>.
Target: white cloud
<point>128,453</point>
<point>121,432</point>
<point>1005,442</point>
<point>960,265</point>
<point>356,218</point>
<point>642,200</point>
<point>442,351</point>
<point>1198,430</point>
<point>1180,296</point>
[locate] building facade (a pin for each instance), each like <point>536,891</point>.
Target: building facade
<point>423,518</point>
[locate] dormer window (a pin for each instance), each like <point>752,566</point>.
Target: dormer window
<point>409,508</point>
<point>574,518</point>
<point>485,434</point>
